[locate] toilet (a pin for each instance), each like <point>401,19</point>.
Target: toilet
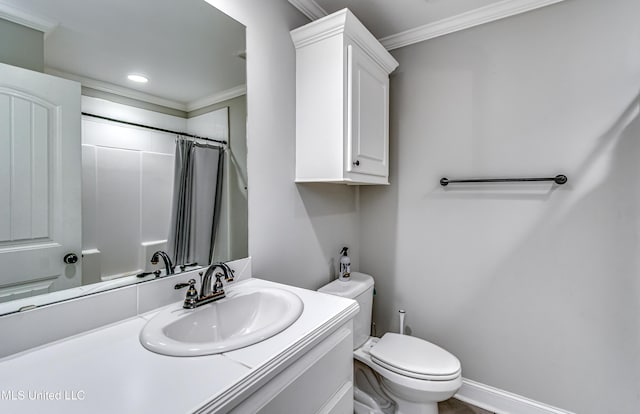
<point>412,375</point>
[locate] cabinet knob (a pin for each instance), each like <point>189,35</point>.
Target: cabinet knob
<point>356,163</point>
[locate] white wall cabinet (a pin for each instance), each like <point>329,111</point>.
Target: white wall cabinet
<point>342,102</point>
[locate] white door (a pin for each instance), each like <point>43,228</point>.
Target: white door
<point>368,115</point>
<point>40,183</point>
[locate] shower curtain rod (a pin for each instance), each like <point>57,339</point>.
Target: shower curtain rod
<point>184,134</point>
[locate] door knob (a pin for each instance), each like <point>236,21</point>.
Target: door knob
<point>356,162</point>
<point>70,258</point>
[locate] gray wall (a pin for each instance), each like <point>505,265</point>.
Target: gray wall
<point>21,46</point>
<point>534,288</point>
<point>295,231</point>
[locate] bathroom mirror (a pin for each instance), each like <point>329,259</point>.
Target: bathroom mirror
<point>193,57</point>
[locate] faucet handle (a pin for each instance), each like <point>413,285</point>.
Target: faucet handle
<point>229,276</point>
<point>190,299</point>
<point>228,272</point>
<point>190,283</point>
<point>218,285</point>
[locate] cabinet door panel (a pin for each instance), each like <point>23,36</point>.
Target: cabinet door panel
<point>368,119</point>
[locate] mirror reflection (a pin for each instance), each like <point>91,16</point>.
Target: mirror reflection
<point>151,179</point>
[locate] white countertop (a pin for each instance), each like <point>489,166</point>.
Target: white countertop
<point>108,370</point>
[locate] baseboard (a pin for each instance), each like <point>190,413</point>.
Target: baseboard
<point>502,402</point>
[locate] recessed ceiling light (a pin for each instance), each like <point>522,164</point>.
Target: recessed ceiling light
<point>137,78</point>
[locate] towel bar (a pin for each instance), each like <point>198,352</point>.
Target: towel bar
<point>558,179</point>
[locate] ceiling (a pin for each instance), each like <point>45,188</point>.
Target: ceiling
<point>400,23</point>
<point>384,18</point>
<point>188,49</point>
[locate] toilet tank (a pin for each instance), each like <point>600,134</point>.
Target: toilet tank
<point>359,288</point>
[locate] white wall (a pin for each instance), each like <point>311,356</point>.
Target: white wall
<point>295,231</point>
<point>535,288</point>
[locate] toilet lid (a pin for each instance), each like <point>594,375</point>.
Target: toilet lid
<point>415,358</point>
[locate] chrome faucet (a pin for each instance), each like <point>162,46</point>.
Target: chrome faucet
<point>210,291</point>
<point>166,259</point>
<point>208,287</point>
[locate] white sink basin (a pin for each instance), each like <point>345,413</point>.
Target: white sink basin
<point>245,317</point>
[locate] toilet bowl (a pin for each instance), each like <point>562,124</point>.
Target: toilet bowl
<point>415,373</point>
<point>412,372</point>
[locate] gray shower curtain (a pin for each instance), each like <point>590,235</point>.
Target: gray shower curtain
<point>195,211</point>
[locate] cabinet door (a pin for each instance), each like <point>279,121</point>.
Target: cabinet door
<point>367,115</point>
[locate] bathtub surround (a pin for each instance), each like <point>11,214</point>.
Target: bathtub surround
<point>534,287</point>
<point>126,171</point>
<point>127,185</point>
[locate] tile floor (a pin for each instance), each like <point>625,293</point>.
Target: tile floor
<point>453,406</point>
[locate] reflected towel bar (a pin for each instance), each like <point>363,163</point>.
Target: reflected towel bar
<point>558,179</point>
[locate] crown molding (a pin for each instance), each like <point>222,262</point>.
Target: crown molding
<point>320,29</point>
<point>344,22</point>
<point>309,8</point>
<point>471,18</point>
<point>216,98</point>
<point>476,17</point>
<point>23,18</point>
<point>117,90</point>
<point>145,97</point>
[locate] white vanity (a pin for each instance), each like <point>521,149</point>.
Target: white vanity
<point>305,368</point>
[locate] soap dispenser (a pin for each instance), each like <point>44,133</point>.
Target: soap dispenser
<point>345,265</point>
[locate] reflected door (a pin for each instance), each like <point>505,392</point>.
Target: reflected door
<point>40,183</point>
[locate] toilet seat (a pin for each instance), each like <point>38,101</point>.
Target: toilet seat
<point>414,358</point>
<point>438,387</point>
